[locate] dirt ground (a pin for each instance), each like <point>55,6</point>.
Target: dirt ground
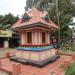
<point>3,51</point>
<point>3,73</point>
<point>2,54</point>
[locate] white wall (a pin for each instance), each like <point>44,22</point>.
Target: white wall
<point>6,44</point>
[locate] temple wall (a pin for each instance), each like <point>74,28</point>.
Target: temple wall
<point>36,56</point>
<point>40,38</point>
<point>36,37</point>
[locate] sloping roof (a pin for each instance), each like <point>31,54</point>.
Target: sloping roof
<point>36,17</point>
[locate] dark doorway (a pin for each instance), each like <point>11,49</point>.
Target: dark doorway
<point>13,42</point>
<point>1,42</point>
<point>43,37</point>
<point>29,37</point>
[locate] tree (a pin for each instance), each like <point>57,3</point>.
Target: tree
<point>66,12</point>
<point>40,4</point>
<point>7,20</point>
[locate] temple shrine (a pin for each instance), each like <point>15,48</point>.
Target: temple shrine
<point>35,46</point>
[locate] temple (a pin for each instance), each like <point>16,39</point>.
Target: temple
<point>35,46</point>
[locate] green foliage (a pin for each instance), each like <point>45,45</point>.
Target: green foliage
<point>7,20</point>
<point>40,4</point>
<point>66,7</point>
<point>68,47</point>
<point>66,12</point>
<point>70,70</point>
<point>1,26</point>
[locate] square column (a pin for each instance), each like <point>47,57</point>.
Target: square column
<point>23,38</point>
<point>33,36</point>
<point>6,43</point>
<point>36,37</point>
<point>47,36</point>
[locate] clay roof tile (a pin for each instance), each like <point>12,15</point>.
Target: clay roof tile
<point>36,16</point>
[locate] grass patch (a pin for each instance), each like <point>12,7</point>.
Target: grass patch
<point>70,70</point>
<point>68,47</point>
<point>4,51</point>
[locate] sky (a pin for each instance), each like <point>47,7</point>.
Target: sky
<point>16,7</point>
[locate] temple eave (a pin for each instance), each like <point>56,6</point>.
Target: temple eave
<point>39,24</point>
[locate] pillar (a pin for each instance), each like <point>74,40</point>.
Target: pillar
<point>47,37</point>
<point>33,37</point>
<point>40,37</point>
<point>37,38</point>
<point>6,43</point>
<point>23,38</point>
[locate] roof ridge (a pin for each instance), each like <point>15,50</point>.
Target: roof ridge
<point>36,16</point>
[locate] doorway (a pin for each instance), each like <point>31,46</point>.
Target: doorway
<point>43,37</point>
<point>29,37</point>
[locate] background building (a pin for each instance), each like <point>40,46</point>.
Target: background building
<point>8,39</point>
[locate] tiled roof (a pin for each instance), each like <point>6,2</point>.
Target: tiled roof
<point>36,17</point>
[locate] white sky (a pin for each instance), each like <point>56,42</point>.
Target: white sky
<point>12,6</point>
<point>74,19</point>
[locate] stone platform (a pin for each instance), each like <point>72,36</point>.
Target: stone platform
<point>26,69</point>
<point>36,58</point>
<point>38,64</point>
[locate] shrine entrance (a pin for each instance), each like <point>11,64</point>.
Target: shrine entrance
<point>43,37</point>
<point>29,37</point>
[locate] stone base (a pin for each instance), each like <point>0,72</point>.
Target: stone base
<point>35,63</point>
